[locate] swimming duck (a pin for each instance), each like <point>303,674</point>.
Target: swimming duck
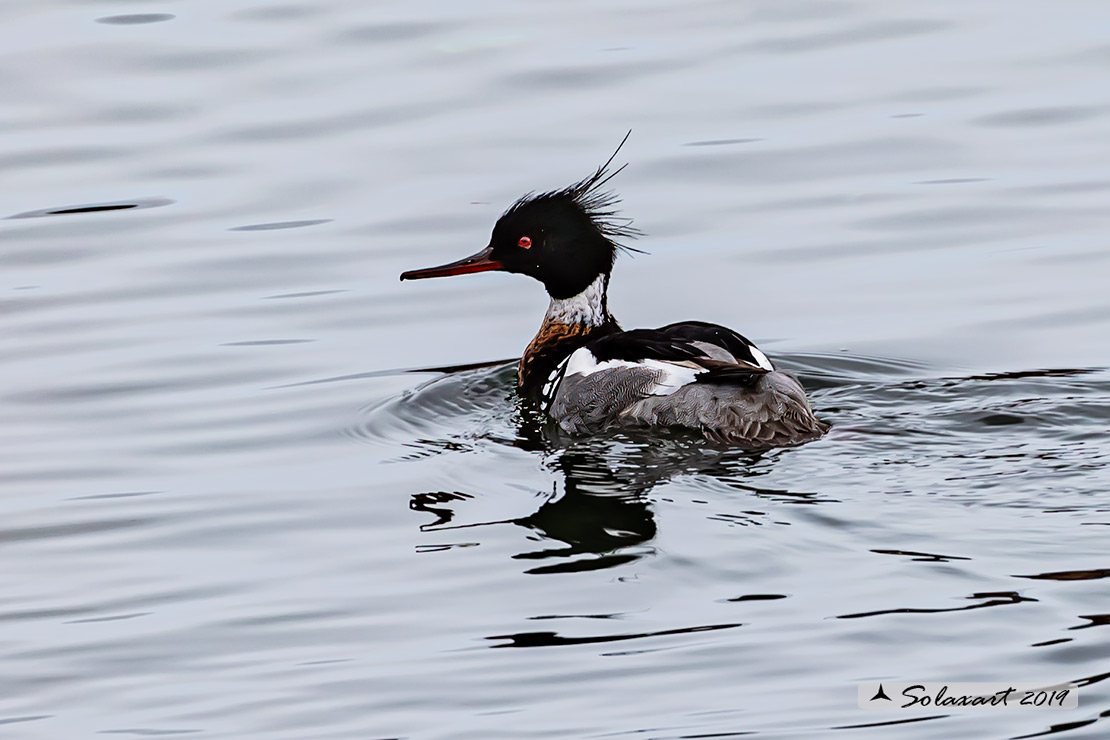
<point>590,375</point>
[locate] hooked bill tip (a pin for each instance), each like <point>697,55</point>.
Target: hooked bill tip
<point>480,262</point>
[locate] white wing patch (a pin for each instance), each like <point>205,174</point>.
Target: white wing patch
<point>760,358</point>
<point>552,384</point>
<point>674,376</point>
<point>582,362</point>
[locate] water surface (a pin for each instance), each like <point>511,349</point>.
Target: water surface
<point>238,503</point>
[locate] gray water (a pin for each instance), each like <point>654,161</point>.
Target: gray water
<point>236,504</point>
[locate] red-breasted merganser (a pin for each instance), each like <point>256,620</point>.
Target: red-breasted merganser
<point>588,374</point>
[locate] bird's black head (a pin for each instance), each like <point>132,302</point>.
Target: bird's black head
<point>563,238</point>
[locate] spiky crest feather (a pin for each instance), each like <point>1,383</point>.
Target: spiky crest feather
<point>598,204</point>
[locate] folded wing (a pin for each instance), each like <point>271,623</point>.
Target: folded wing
<point>606,377</point>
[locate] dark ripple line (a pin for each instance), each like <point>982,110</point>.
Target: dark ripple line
<point>278,225</point>
<point>145,599</point>
<point>611,560</point>
<point>64,530</point>
<point>115,618</point>
<point>758,597</point>
<point>551,639</point>
<point>1019,374</point>
<point>306,294</point>
<point>922,556</point>
<point>997,598</point>
<point>1093,620</point>
<point>891,722</point>
<point>147,731</point>
<point>135,19</point>
<point>122,205</point>
<point>447,370</point>
<point>1062,727</point>
<point>28,718</point>
<point>721,142</point>
<point>99,496</point>
<point>1070,575</point>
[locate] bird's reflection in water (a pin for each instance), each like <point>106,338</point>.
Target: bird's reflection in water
<point>600,512</point>
<point>601,515</point>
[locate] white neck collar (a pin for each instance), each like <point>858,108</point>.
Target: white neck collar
<point>588,307</point>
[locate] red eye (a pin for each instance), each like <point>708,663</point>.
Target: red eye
<point>524,242</point>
